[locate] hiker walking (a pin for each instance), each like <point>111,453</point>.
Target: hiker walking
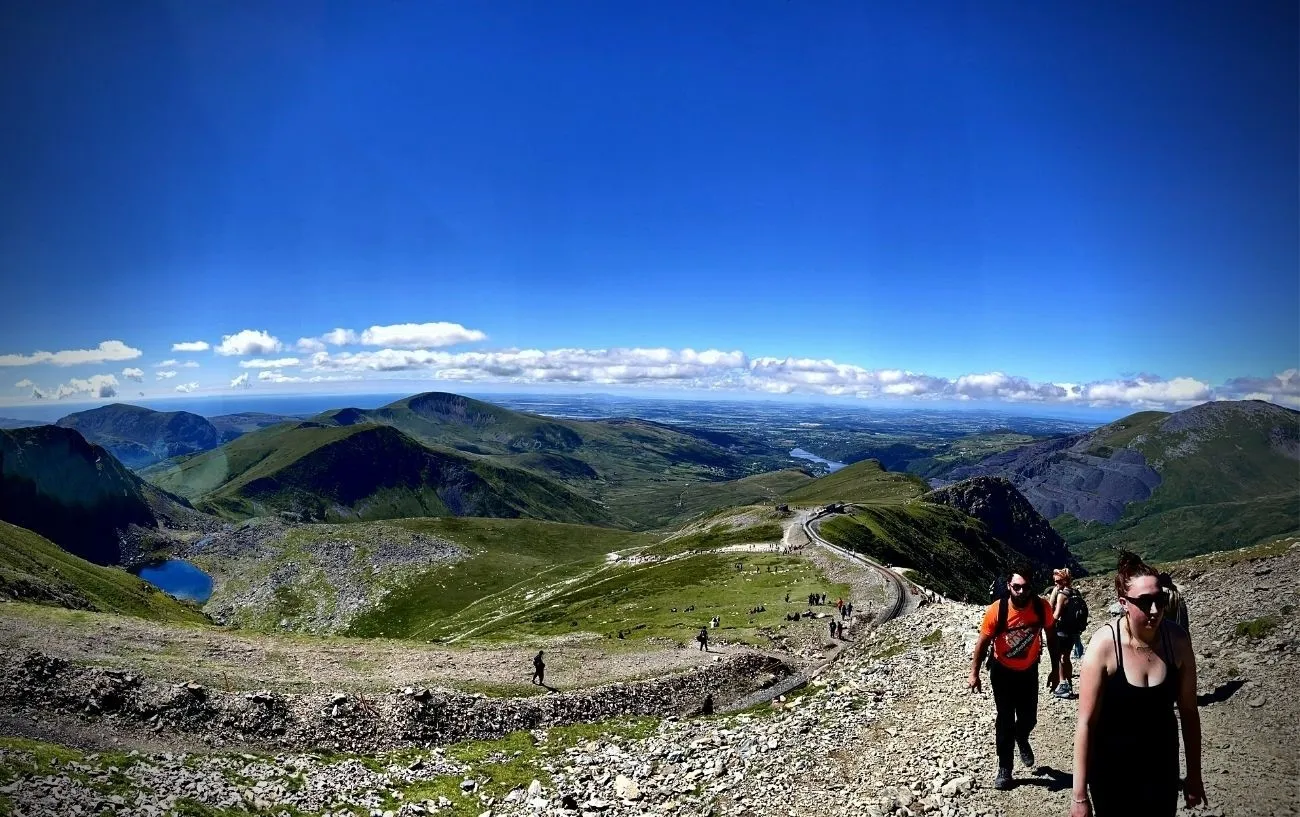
<point>1136,670</point>
<point>539,669</point>
<point>1071,614</point>
<point>1177,611</point>
<point>703,638</point>
<point>1014,626</point>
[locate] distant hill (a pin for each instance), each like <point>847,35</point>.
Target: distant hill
<point>9,422</point>
<point>614,462</point>
<point>138,436</point>
<point>1219,475</point>
<point>368,471</point>
<point>54,482</point>
<point>34,569</point>
<point>957,539</point>
<point>230,426</point>
<point>865,481</point>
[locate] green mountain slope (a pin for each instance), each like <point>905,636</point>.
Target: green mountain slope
<point>74,493</point>
<point>328,472</point>
<point>1229,477</point>
<point>139,436</point>
<point>864,481</point>
<point>949,551</point>
<point>34,569</point>
<point>614,462</point>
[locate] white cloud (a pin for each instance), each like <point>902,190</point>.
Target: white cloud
<point>191,346</point>
<point>241,382</point>
<point>309,345</point>
<point>100,385</point>
<point>168,375</point>
<point>190,364</point>
<point>276,377</point>
<point>413,335</point>
<point>1282,388</point>
<point>187,387</point>
<point>249,342</point>
<point>1148,391</point>
<point>167,364</point>
<point>260,363</point>
<point>24,384</point>
<point>344,337</point>
<point>109,350</point>
<point>134,374</point>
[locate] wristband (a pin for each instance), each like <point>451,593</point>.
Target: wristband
<point>1084,800</point>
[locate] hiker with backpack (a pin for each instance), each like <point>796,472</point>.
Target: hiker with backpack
<point>1014,627</point>
<point>1071,613</point>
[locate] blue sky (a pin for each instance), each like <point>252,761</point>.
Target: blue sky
<point>1092,204</point>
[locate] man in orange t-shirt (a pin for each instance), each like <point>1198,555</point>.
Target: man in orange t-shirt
<point>1014,625</point>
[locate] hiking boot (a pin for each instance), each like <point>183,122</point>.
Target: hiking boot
<point>1003,781</point>
<point>1027,754</point>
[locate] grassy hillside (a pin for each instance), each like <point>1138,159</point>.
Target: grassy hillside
<point>76,494</point>
<point>619,463</point>
<point>1229,477</point>
<point>864,481</point>
<point>950,551</point>
<point>368,471</point>
<point>34,569</point>
<point>665,507</point>
<point>511,559</point>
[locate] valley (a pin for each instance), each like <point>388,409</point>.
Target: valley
<point>382,578</point>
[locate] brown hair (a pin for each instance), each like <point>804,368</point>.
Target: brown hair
<point>1064,573</point>
<point>1131,567</point>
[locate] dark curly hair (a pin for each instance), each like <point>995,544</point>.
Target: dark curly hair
<point>1131,566</point>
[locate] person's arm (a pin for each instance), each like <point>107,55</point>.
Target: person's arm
<point>973,683</point>
<point>1190,716</point>
<point>1053,649</point>
<point>1092,678</point>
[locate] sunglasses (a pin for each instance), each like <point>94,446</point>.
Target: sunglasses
<point>1145,602</point>
<point>1018,587</point>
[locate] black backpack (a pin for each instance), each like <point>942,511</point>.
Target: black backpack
<point>1074,616</point>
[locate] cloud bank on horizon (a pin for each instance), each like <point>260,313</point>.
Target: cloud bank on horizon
<point>414,352</point>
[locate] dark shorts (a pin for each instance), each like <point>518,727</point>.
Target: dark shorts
<point>1065,641</point>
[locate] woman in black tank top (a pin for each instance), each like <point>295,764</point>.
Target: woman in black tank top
<point>1136,671</point>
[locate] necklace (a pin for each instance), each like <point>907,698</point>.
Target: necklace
<point>1136,643</point>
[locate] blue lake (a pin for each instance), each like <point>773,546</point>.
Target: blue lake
<point>808,455</point>
<point>180,578</point>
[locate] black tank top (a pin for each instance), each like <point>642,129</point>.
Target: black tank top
<point>1136,729</point>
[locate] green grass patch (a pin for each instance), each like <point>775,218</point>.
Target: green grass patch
<point>717,536</point>
<point>949,551</point>
<point>651,601</point>
<point>865,481</point>
<point>931,639</point>
<point>1256,628</point>
<point>34,569</point>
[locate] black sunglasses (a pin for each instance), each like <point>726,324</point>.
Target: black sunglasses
<point>1018,587</point>
<point>1144,602</point>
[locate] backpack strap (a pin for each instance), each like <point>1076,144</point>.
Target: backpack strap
<point>1002,616</point>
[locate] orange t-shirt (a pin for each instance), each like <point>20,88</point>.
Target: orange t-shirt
<point>1017,647</point>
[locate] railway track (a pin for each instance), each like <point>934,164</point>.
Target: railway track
<point>899,589</point>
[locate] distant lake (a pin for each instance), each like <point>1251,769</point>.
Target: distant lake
<point>808,455</point>
<point>180,578</point>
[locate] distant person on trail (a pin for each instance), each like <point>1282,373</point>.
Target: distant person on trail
<point>703,638</point>
<point>539,669</point>
<point>1177,612</point>
<point>1071,614</point>
<point>1136,669</point>
<point>1014,627</point>
<point>832,628</point>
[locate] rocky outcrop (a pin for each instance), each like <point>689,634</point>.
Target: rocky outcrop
<point>356,723</point>
<point>1063,476</point>
<point>1010,517</point>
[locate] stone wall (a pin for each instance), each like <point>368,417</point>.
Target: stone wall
<point>35,682</point>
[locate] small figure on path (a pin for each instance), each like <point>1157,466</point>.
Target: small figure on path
<point>787,597</point>
<point>1071,614</point>
<point>703,638</point>
<point>707,709</point>
<point>832,628</point>
<point>539,669</point>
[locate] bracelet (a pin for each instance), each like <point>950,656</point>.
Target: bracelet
<point>1084,800</point>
